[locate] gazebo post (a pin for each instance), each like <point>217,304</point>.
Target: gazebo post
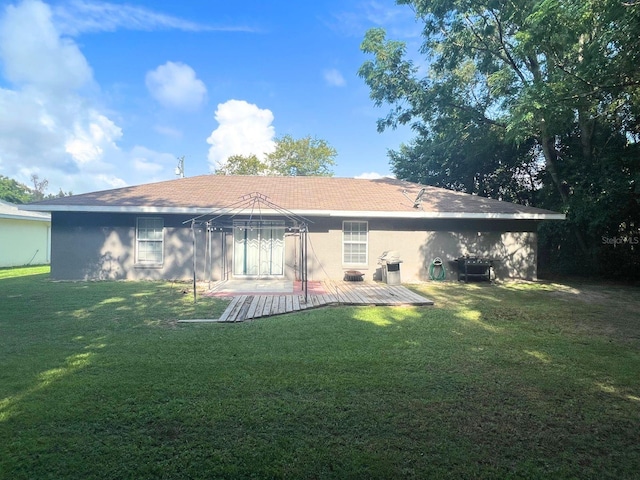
<point>305,285</point>
<point>210,240</point>
<point>193,233</point>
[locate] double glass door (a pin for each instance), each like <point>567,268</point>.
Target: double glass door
<point>258,248</point>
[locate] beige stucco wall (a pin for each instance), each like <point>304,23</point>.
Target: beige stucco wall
<point>420,242</point>
<point>112,256</point>
<point>101,246</point>
<point>24,242</point>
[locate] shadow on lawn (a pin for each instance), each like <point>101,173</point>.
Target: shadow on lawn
<point>490,383</point>
<point>52,331</point>
<point>9,405</point>
<point>520,314</point>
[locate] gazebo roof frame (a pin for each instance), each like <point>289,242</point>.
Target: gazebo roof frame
<point>249,204</point>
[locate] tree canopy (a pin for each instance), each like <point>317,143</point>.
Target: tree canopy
<point>536,102</point>
<point>242,165</point>
<point>306,156</point>
<point>16,192</point>
<point>13,191</point>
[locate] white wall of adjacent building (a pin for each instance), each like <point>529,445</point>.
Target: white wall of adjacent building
<point>24,242</point>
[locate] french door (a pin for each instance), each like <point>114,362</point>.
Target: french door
<point>258,248</point>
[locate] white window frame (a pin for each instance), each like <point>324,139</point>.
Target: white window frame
<point>140,239</point>
<point>352,242</point>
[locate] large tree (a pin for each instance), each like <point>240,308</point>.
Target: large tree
<point>292,157</point>
<point>525,99</point>
<point>243,165</point>
<point>530,69</point>
<point>16,192</point>
<point>13,191</point>
<point>307,156</point>
<point>39,187</point>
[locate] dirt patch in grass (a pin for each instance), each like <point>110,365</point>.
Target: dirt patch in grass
<point>614,296</point>
<point>605,310</point>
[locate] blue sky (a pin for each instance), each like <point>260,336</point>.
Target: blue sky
<point>97,95</point>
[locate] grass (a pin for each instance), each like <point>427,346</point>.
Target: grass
<point>496,381</point>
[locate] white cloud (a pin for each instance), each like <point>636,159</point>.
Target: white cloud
<point>47,126</point>
<point>150,164</point>
<point>108,181</point>
<point>89,141</point>
<point>398,20</point>
<point>175,85</point>
<point>33,53</point>
<point>244,129</point>
<point>60,139</point>
<point>334,78</point>
<point>382,14</point>
<point>372,176</point>
<point>82,16</point>
<point>168,131</point>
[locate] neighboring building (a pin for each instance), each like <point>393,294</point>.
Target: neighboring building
<point>255,226</point>
<point>25,237</point>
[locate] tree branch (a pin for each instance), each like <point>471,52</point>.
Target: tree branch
<point>477,114</point>
<point>497,53</point>
<point>600,88</point>
<point>508,56</point>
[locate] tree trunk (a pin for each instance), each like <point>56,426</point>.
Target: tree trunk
<point>586,125</point>
<point>551,156</point>
<point>547,142</point>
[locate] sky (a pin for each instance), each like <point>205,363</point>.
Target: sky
<point>98,95</point>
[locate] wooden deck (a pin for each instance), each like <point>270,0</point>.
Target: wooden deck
<point>252,306</point>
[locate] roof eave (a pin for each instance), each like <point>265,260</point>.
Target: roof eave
<point>438,215</point>
<point>9,216</point>
<point>302,212</point>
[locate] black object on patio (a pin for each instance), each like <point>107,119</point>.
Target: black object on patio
<point>474,268</point>
<point>353,276</point>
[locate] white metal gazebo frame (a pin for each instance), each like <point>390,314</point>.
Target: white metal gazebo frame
<point>253,207</point>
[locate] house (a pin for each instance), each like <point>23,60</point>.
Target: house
<point>24,236</point>
<point>284,227</point>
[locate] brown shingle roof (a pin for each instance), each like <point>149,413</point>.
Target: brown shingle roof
<point>304,195</point>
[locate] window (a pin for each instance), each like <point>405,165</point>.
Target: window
<point>149,241</point>
<point>354,243</point>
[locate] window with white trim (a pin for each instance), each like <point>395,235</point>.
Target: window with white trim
<point>355,243</point>
<point>149,241</point>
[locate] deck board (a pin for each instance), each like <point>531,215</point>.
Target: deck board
<point>230,308</point>
<point>254,305</point>
<point>248,307</point>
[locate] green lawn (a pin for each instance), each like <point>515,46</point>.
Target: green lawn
<point>496,381</point>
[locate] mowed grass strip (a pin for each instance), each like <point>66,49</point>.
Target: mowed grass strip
<point>496,381</point>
